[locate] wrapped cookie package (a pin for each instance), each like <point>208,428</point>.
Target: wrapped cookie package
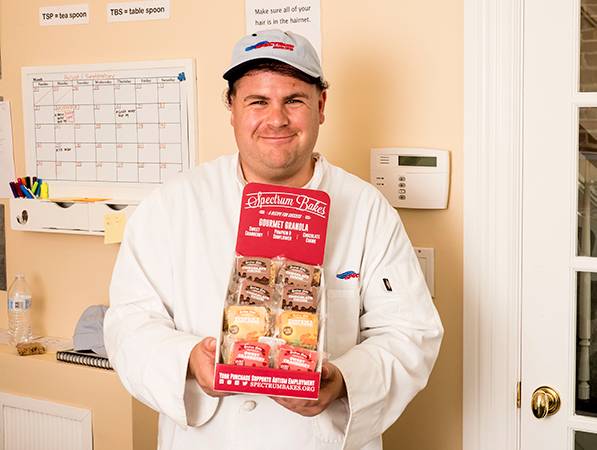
<point>273,306</point>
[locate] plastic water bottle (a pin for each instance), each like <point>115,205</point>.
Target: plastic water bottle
<point>19,307</point>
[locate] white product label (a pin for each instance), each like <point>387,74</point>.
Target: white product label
<point>19,305</point>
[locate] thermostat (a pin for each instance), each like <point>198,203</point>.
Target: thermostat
<point>416,178</point>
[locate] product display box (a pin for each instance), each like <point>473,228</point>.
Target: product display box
<point>273,324</point>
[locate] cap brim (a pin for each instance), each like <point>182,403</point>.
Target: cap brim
<point>233,71</point>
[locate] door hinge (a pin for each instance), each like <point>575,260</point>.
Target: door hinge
<point>518,395</point>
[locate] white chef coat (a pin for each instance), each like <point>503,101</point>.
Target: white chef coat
<point>167,294</point>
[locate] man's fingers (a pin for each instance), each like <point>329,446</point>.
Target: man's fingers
<point>209,344</point>
<point>201,365</point>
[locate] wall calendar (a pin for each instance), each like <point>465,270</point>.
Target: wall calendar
<point>121,124</point>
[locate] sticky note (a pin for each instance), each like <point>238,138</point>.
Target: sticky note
<point>114,227</point>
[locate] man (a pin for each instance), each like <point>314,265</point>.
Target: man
<point>172,273</point>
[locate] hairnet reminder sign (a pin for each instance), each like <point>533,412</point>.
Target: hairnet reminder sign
<point>299,16</point>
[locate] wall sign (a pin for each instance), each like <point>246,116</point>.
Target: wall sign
<point>133,11</point>
<point>299,16</point>
<point>64,15</point>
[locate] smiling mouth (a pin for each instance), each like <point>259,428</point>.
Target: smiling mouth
<point>273,138</point>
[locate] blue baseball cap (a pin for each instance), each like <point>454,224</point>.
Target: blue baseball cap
<point>89,332</point>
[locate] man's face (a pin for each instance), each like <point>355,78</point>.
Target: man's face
<point>276,121</point>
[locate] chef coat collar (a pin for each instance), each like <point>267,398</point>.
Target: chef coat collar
<point>312,184</point>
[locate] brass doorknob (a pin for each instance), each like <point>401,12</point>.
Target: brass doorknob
<point>545,402</point>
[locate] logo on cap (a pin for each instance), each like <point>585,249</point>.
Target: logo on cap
<point>275,45</point>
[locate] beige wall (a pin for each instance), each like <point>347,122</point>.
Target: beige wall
<point>396,74</point>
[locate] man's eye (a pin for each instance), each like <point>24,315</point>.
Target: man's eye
<point>258,102</point>
<point>295,100</point>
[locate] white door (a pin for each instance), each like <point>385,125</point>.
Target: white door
<point>559,238</point>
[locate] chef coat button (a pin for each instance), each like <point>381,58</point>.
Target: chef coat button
<point>249,405</point>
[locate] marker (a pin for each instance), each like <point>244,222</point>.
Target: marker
<point>21,183</point>
<point>39,182</point>
<point>44,190</point>
<point>34,188</point>
<point>27,192</point>
<point>13,188</point>
<point>18,188</point>
<point>28,182</point>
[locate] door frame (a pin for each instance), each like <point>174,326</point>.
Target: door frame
<point>493,50</point>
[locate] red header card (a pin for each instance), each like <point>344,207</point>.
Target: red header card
<point>283,221</point>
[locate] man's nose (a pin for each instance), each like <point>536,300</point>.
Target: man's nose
<point>277,116</point>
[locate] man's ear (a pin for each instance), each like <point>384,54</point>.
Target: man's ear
<point>322,99</point>
<point>231,111</point>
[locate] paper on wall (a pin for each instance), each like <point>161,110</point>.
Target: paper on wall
<point>114,228</point>
<point>64,15</point>
<point>7,165</point>
<point>133,11</point>
<point>299,16</point>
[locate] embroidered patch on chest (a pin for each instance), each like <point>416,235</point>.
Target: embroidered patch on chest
<point>348,275</point>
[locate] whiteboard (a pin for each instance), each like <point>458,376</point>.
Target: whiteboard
<point>129,125</point>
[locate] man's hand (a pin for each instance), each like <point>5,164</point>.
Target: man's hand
<point>202,364</point>
<point>332,387</point>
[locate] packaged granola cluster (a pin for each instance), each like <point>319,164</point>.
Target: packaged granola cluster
<point>272,316</point>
